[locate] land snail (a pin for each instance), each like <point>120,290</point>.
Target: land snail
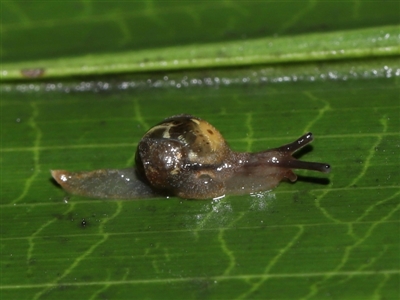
<point>187,157</point>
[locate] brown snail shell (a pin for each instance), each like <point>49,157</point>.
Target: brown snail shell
<point>186,156</point>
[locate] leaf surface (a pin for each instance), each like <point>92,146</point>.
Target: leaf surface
<point>323,237</point>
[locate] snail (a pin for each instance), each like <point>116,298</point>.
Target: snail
<point>187,157</point>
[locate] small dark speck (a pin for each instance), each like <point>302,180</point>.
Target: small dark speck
<point>83,223</point>
<point>296,197</point>
<point>151,208</point>
<point>32,73</point>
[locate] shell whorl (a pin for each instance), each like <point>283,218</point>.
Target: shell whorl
<point>202,142</point>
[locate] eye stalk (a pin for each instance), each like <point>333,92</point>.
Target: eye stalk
<point>187,157</point>
<point>292,163</point>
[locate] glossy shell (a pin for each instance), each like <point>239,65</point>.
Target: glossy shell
<point>179,150</point>
<point>201,143</point>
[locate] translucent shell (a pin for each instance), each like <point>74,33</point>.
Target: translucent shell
<point>202,142</point>
<point>180,154</point>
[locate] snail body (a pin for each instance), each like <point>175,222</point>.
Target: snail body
<point>187,157</point>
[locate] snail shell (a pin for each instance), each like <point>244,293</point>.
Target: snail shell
<point>187,157</point>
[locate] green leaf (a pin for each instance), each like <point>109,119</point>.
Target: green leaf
<point>382,41</point>
<point>323,237</point>
<point>43,30</point>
